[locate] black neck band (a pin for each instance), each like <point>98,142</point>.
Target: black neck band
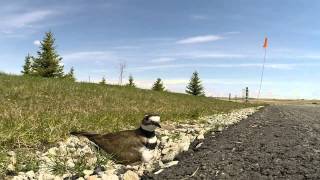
<point>148,134</point>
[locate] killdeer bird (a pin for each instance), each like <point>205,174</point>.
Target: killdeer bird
<point>131,145</point>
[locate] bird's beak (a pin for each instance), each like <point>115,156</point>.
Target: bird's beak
<point>157,124</point>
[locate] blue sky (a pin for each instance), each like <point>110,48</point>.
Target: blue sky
<point>172,38</point>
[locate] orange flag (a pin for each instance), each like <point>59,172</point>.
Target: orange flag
<point>265,45</point>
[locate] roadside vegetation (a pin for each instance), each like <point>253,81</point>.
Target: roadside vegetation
<point>38,111</point>
<point>44,105</point>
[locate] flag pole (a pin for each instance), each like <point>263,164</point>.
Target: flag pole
<point>264,61</point>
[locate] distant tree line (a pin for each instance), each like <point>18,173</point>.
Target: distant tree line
<point>48,63</point>
<point>194,86</point>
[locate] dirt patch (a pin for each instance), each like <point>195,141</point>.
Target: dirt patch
<point>279,142</point>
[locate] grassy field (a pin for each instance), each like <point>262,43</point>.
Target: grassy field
<point>36,112</point>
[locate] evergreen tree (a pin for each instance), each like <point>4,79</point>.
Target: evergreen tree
<point>70,74</point>
<point>131,83</point>
<point>195,87</point>
<point>47,64</point>
<point>27,67</point>
<point>103,81</point>
<point>158,85</point>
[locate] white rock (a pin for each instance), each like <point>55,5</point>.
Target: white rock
<point>70,163</point>
<point>19,178</point>
<point>62,150</point>
<point>200,137</point>
<point>169,156</point>
<point>164,140</point>
<point>199,145</point>
<point>46,176</point>
<point>11,167</point>
<point>53,151</point>
<point>157,154</point>
<point>13,160</point>
<point>172,163</point>
<point>30,174</point>
<point>92,161</point>
<point>158,172</point>
<point>110,172</point>
<point>58,178</point>
<point>66,176</point>
<point>93,177</point>
<point>129,167</point>
<point>130,175</point>
<point>21,173</point>
<point>109,177</point>
<point>87,172</point>
<point>165,151</point>
<point>11,153</point>
<point>185,143</point>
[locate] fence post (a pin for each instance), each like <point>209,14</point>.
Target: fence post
<point>247,94</point>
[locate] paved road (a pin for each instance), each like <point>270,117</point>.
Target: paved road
<point>279,142</point>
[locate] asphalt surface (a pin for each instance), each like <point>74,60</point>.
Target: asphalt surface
<point>278,142</point>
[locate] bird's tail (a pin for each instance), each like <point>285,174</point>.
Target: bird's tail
<point>83,133</point>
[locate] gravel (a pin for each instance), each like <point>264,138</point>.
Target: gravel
<point>74,154</point>
<point>279,142</point>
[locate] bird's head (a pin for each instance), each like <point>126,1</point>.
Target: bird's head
<point>150,122</point>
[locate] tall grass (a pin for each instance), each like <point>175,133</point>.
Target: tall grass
<point>35,112</point>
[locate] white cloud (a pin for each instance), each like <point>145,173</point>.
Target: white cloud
<point>126,47</point>
<point>214,81</point>
<point>201,54</point>
<point>232,32</point>
<point>247,65</point>
<point>90,56</point>
<point>199,17</point>
<point>22,20</point>
<point>310,56</point>
<point>162,59</point>
<point>37,42</point>
<point>199,39</point>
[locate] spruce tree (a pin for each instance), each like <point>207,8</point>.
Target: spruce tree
<point>27,67</point>
<point>158,85</point>
<point>195,87</point>
<point>47,64</point>
<point>131,83</point>
<point>70,75</point>
<point>103,81</point>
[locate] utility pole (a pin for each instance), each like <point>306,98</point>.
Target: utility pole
<point>247,94</point>
<point>122,67</point>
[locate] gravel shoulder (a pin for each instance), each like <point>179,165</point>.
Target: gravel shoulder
<point>278,142</point>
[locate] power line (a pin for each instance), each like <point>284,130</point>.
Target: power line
<point>262,73</point>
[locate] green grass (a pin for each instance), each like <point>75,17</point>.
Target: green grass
<point>35,112</point>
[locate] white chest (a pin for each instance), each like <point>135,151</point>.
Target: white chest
<point>148,154</point>
<point>152,140</point>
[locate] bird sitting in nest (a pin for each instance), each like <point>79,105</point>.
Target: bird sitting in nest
<point>131,145</point>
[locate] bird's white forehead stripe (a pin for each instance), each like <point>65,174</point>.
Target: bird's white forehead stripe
<point>155,118</point>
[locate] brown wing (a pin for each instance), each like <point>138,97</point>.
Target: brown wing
<point>124,145</point>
